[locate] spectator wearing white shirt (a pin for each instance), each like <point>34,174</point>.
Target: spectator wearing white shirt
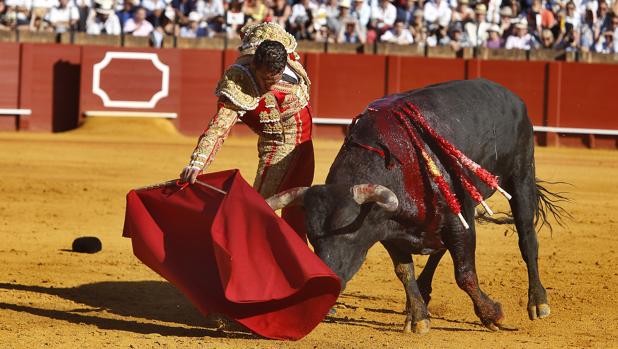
<point>212,12</point>
<point>138,25</point>
<point>522,40</point>
<point>437,13</point>
<point>193,29</point>
<point>362,12</point>
<point>62,17</point>
<point>398,35</point>
<point>300,19</point>
<point>606,43</point>
<point>20,9</point>
<point>477,30</point>
<point>40,9</point>
<point>572,16</point>
<point>103,19</point>
<point>383,16</point>
<point>350,33</point>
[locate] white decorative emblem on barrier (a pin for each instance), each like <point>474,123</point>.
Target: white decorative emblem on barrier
<point>109,56</point>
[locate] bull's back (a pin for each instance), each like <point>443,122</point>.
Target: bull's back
<point>483,119</point>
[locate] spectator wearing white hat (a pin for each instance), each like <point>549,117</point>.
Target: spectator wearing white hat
<point>521,40</point>
<point>437,13</point>
<point>477,29</point>
<point>494,39</point>
<point>336,23</point>
<point>506,25</point>
<point>103,19</point>
<point>351,33</point>
<point>62,17</point>
<point>138,25</point>
<point>193,29</point>
<point>398,35</point>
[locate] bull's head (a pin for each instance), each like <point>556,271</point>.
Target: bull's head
<point>343,222</point>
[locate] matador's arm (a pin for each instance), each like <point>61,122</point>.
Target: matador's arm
<point>213,137</point>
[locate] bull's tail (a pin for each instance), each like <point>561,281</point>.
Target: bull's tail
<point>548,204</point>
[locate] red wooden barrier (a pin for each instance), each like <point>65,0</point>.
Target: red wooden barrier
<point>49,86</point>
<point>9,83</point>
<point>407,73</point>
<point>343,84</point>
<point>116,79</point>
<point>526,79</point>
<point>200,72</point>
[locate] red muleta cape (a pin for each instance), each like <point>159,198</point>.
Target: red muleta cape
<point>231,254</point>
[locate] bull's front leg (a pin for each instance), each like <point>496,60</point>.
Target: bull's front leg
<point>461,244</point>
<point>417,318</point>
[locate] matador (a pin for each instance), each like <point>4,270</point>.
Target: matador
<point>268,89</point>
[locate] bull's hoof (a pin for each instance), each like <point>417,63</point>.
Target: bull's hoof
<point>538,311</point>
<point>493,327</point>
<point>420,327</point>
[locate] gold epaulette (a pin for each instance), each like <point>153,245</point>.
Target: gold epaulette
<point>238,86</point>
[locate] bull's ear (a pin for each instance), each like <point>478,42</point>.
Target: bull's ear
<point>381,195</point>
<point>290,197</point>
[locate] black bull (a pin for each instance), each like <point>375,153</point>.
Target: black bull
<point>370,196</point>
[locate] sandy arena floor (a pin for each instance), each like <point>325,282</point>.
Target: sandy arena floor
<point>55,187</point>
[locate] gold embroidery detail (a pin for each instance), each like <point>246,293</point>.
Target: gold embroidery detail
<point>212,139</point>
<point>254,34</point>
<point>238,86</point>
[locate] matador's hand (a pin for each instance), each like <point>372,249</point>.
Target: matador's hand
<point>189,174</point>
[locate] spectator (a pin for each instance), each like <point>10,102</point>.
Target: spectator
<point>540,17</point>
<point>477,30</point>
<point>4,18</point>
<point>383,16</point>
<point>280,12</point>
<point>606,43</point>
<point>300,19</point>
<point>212,12</point>
<point>154,5</point>
<point>324,34</point>
<point>438,37</point>
<point>506,25</point>
<point>462,12</point>
<point>17,12</point>
<point>521,40</point>
<point>572,16</point>
<point>493,11</point>
<point>182,9</point>
<point>83,7</point>
<point>589,32</point>
<point>40,10</point>
<point>603,16</point>
<point>398,35</point>
<point>417,28</point>
<point>351,33</point>
<point>494,40</point>
<point>405,12</point>
<point>102,19</point>
<point>336,23</point>
<point>193,29</point>
<point>138,25</point>
<point>254,10</point>
<point>128,7</point>
<point>235,18</point>
<point>547,39</point>
<point>62,17</point>
<point>437,13</point>
<point>458,38</point>
<point>362,12</point>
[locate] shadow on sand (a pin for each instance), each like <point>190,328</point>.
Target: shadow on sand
<point>152,300</point>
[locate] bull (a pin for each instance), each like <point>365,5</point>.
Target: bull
<point>377,191</point>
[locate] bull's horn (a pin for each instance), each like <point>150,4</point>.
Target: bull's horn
<point>290,197</point>
<point>379,194</point>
